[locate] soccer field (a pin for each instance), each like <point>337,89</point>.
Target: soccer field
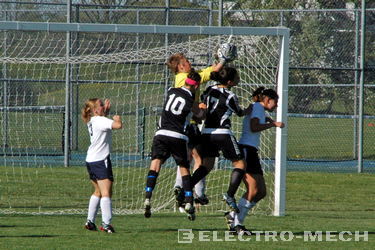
<point>331,203</point>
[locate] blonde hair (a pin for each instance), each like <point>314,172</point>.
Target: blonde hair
<point>88,110</point>
<point>174,61</point>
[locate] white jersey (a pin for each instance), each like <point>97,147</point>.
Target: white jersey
<point>100,130</point>
<point>248,137</point>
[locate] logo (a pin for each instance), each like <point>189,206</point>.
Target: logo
<point>185,236</point>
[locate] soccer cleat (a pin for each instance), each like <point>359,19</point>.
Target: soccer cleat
<point>180,198</point>
<point>190,210</point>
<point>107,228</point>
<point>203,200</point>
<point>90,226</point>
<point>231,201</point>
<point>147,206</point>
<point>230,221</point>
<point>241,230</point>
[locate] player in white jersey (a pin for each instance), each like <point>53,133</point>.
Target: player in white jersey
<point>253,125</point>
<point>98,160</point>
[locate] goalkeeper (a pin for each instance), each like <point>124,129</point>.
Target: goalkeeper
<point>181,66</point>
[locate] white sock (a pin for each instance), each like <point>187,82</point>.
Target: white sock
<point>106,206</point>
<point>234,215</point>
<point>244,206</point>
<point>200,187</point>
<point>178,182</point>
<point>93,208</point>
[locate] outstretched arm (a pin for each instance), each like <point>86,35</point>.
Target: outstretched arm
<point>199,111</point>
<point>218,66</point>
<point>255,126</point>
<point>235,107</point>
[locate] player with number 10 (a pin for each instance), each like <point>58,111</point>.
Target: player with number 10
<point>170,139</point>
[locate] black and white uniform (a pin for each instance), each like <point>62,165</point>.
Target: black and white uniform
<point>170,138</point>
<point>217,135</point>
<point>98,161</point>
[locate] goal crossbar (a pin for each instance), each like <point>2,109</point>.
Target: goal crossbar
<point>151,29</point>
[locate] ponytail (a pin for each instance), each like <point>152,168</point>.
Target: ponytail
<point>256,96</point>
<point>88,110</point>
<point>259,94</point>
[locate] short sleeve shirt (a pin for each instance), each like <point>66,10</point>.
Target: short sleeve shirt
<point>205,77</point>
<point>248,137</point>
<point>100,130</point>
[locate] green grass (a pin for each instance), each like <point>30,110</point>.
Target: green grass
<point>315,202</point>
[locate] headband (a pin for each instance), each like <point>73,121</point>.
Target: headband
<point>191,82</point>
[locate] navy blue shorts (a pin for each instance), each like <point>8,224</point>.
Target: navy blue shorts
<point>252,159</point>
<point>100,170</point>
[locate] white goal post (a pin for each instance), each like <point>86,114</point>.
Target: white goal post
<point>125,63</point>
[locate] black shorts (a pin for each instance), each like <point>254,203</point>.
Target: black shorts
<point>211,144</point>
<point>252,159</point>
<point>100,170</point>
<point>194,134</point>
<point>165,146</point>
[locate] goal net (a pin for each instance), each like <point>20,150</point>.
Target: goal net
<point>129,69</point>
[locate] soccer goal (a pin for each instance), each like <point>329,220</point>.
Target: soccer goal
<point>46,79</point>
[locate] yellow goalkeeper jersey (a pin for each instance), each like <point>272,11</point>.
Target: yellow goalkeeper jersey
<point>205,77</point>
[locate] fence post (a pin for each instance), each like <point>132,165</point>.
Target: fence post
<point>5,91</point>
<point>361,88</point>
<point>166,71</point>
<point>355,122</point>
<point>141,131</point>
<point>67,91</point>
<point>75,93</point>
<point>220,20</point>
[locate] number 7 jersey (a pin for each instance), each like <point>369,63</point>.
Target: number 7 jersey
<point>221,103</point>
<point>177,110</point>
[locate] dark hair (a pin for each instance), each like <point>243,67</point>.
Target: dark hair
<point>193,75</point>
<point>224,75</point>
<point>261,92</point>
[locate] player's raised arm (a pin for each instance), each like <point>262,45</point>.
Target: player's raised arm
<point>227,52</point>
<point>107,106</point>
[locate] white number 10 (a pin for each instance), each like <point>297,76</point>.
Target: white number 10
<point>175,105</point>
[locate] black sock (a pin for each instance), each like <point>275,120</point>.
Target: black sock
<point>150,183</point>
<point>235,181</point>
<point>186,185</point>
<point>198,175</point>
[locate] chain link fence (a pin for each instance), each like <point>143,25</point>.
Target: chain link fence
<point>324,85</point>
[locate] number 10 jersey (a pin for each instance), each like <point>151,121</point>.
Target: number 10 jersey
<point>176,112</point>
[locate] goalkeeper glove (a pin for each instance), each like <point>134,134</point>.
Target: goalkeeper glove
<point>227,52</point>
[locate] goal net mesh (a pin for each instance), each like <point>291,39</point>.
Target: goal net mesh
<point>129,69</point>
